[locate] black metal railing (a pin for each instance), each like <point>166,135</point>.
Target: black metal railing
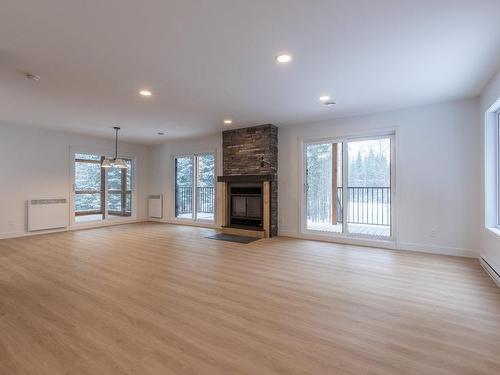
<point>367,205</point>
<point>184,199</point>
<point>206,199</point>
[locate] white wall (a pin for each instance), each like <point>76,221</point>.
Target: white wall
<point>162,170</point>
<point>489,242</point>
<point>35,163</point>
<point>437,158</point>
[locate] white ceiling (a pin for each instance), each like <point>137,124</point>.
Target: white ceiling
<point>206,60</point>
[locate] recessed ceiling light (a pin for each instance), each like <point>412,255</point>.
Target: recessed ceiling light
<point>228,121</point>
<point>145,93</point>
<point>324,98</point>
<point>283,59</point>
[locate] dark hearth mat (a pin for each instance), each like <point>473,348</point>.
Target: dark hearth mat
<point>231,238</point>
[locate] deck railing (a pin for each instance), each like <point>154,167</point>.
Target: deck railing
<point>367,205</point>
<point>184,200</point>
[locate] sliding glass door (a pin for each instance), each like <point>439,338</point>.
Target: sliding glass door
<point>348,187</point>
<point>195,187</point>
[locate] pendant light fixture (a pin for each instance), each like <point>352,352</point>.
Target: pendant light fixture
<point>114,162</point>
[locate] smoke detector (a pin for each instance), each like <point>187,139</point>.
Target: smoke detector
<point>32,77</point>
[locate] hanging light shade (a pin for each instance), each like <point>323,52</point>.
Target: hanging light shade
<point>120,163</point>
<point>114,162</point>
<point>106,163</point>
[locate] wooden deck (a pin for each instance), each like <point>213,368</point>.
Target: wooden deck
<point>364,229</point>
<point>162,299</point>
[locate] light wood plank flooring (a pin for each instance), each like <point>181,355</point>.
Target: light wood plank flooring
<point>163,299</point>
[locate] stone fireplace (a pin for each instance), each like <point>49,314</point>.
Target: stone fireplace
<point>250,181</point>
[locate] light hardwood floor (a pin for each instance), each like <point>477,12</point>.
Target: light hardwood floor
<point>163,299</point>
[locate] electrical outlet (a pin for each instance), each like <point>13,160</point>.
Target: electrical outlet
<point>282,220</point>
<point>433,233</point>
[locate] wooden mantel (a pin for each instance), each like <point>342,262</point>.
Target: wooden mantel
<point>247,178</point>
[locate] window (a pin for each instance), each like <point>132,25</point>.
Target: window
<point>120,190</point>
<point>88,187</point>
<point>498,167</point>
<point>100,193</point>
<point>195,187</point>
<point>348,186</point>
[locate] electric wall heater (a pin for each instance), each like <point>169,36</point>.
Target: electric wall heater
<point>47,214</point>
<point>155,206</point>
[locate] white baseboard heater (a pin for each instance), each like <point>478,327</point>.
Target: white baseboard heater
<point>47,214</point>
<point>155,206</point>
<point>490,270</point>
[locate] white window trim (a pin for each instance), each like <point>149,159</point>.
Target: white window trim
<point>108,219</point>
<point>497,169</point>
<point>491,168</point>
<point>202,222</point>
<point>345,236</point>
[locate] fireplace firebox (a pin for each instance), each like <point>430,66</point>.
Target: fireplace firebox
<point>245,205</point>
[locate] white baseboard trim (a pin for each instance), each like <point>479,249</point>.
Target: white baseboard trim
<point>488,267</point>
<point>4,236</point>
<point>383,244</point>
<point>105,224</point>
<point>154,220</point>
<point>438,249</point>
<point>408,246</point>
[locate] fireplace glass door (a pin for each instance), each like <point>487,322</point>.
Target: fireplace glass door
<point>239,206</point>
<point>254,207</point>
<point>250,207</point>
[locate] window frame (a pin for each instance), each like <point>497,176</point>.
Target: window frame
<point>101,191</point>
<point>106,218</point>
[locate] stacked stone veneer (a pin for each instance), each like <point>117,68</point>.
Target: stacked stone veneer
<point>243,150</point>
